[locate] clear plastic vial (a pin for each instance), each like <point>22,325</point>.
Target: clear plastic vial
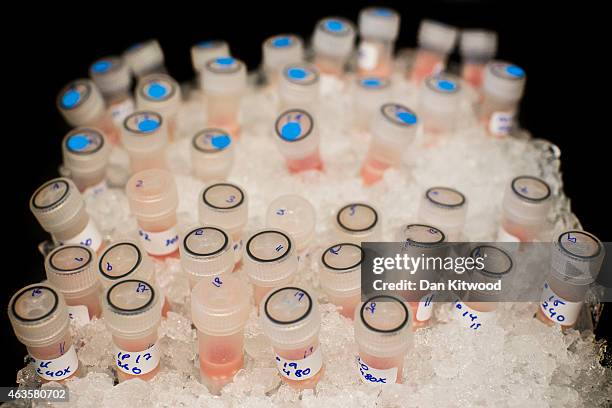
<point>132,312</point>
<point>145,138</point>
<point>206,252</point>
<point>160,93</point>
<point>378,29</point>
<point>220,308</point>
<point>227,206</point>
<point>145,58</point>
<point>332,42</point>
<point>576,261</point>
<point>295,215</point>
<point>212,155</point>
<point>477,48</point>
<point>393,128</point>
<point>502,89</point>
<point>297,137</point>
<point>270,261</point>
<point>439,107</point>
<point>445,208</point>
<point>357,223</point>
<point>60,209</point>
<point>279,51</point>
<point>291,320</point>
<point>205,51</point>
<point>153,201</point>
<point>85,153</point>
<point>114,79</point>
<point>383,336</point>
<point>435,42</point>
<point>72,270</point>
<point>371,92</point>
<point>299,87</point>
<point>525,207</point>
<point>39,317</point>
<point>340,276</point>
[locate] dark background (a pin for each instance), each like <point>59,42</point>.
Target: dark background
<point>44,53</point>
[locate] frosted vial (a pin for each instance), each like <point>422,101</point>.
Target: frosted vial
<point>299,87</point>
<point>206,252</point>
<point>477,48</point>
<point>220,308</point>
<point>224,81</point>
<point>446,208</point>
<point>132,313</point>
<point>205,51</point>
<point>279,51</point>
<point>225,205</point>
<point>440,99</point>
<point>212,155</point>
<point>114,79</point>
<point>295,215</point>
<point>435,42</point>
<point>357,223</point>
<point>332,42</point>
<point>291,320</point>
<point>153,201</point>
<point>39,317</point>
<point>145,58</point>
<point>85,153</point>
<point>383,336</point>
<point>502,89</point>
<point>81,104</point>
<point>371,92</point>
<point>72,270</point>
<point>145,137</point>
<point>378,29</point>
<point>393,128</point>
<point>297,138</point>
<point>340,276</point>
<point>576,261</point>
<point>525,207</point>
<point>162,94</point>
<point>60,210</point>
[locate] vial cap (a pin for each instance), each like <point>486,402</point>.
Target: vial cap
<point>144,57</point>
<point>496,262</point>
<point>341,268</point>
<point>577,257</point>
<point>205,51</point>
<point>357,218</point>
<point>125,260</point>
<point>81,103</point>
<point>504,80</point>
<point>224,75</point>
<point>152,193</point>
<point>85,150</point>
<point>270,257</point>
<point>281,50</point>
<point>395,124</point>
<point>379,22</point>
<point>225,205</point>
<point>72,269</point>
<point>211,140</point>
<point>444,207</point>
<point>334,37</point>
<point>111,75</point>
<point>158,92</point>
<point>56,203</point>
<point>437,36</point>
<point>480,44</point>
<point>206,251</point>
<point>296,134</point>
<point>421,236</point>
<point>295,215</point>
<point>144,131</point>
<point>527,198</point>
<point>441,93</point>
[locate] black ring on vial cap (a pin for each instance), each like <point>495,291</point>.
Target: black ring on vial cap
<point>142,112</point>
<point>209,66</point>
<point>305,67</point>
<point>83,130</point>
<point>131,311</point>
<point>348,267</point>
<point>24,290</point>
<point>396,123</point>
<point>340,33</point>
<point>195,137</point>
<point>430,85</point>
<point>385,84</point>
<point>488,273</point>
<point>136,265</point>
<point>425,243</point>
<point>305,135</point>
<point>157,77</point>
<point>73,85</point>
<point>60,248</point>
<point>593,237</point>
<point>208,203</point>
<point>498,70</point>
<point>535,200</point>
<point>250,254</point>
<point>302,317</point>
<point>48,183</point>
<point>225,241</point>
<point>398,328</point>
<point>357,205</point>
<point>459,204</point>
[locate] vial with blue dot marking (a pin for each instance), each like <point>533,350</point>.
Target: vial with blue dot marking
<point>477,48</point>
<point>205,51</point>
<point>436,41</point>
<point>440,100</point>
<point>333,42</point>
<point>370,93</point>
<point>378,29</point>
<point>502,88</point>
<point>299,87</point>
<point>145,138</point>
<point>298,140</point>
<point>114,79</point>
<point>279,51</point>
<point>444,207</point>
<point>160,93</point>
<point>212,154</point>
<point>85,153</point>
<point>145,58</point>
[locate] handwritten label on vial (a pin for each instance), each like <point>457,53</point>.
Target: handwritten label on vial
<point>469,317</point>
<point>96,189</point>
<point>159,243</point>
<point>371,375</point>
<point>59,368</point>
<point>557,309</point>
<point>368,56</point>
<point>238,250</point>
<point>425,308</point>
<point>90,237</point>
<point>501,123</point>
<point>79,315</point>
<point>122,110</point>
<point>299,370</point>
<point>137,362</point>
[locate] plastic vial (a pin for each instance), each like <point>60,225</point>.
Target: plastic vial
<point>205,51</point>
<point>145,58</point>
<point>60,209</point>
<point>279,51</point>
<point>393,128</point>
<point>340,276</point>
<point>72,270</point>
<point>297,137</point>
<point>299,87</point>
<point>357,223</point>
<point>39,317</point>
<point>270,261</point>
<point>127,260</point>
<point>295,215</point>
<point>440,99</point>
<point>224,81</point>
<point>132,312</point>
<point>477,48</point>
<point>525,206</point>
<point>446,208</point>
<point>153,201</point>
<point>502,88</point>
<point>220,308</point>
<point>383,336</point>
<point>371,93</point>
<point>206,252</point>
<point>114,79</point>
<point>225,205</point>
<point>435,42</point>
<point>576,261</point>
<point>378,29</point>
<point>81,104</point>
<point>333,41</point>
<point>212,155</point>
<point>145,138</point>
<point>291,320</point>
<point>86,152</point>
<point>162,94</point>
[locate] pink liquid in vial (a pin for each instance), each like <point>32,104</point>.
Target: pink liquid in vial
<point>136,345</point>
<point>384,363</point>
<point>426,63</point>
<point>473,74</point>
<point>417,324</point>
<point>221,357</point>
<point>312,162</point>
<point>90,300</point>
<point>53,351</point>
<point>329,66</point>
<point>346,305</point>
<point>300,354</point>
<point>373,170</point>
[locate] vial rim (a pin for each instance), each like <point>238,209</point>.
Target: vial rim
<point>70,85</point>
<point>60,248</point>
<point>534,200</point>
<point>489,273</point>
<point>348,267</point>
<point>429,190</point>
<point>209,204</point>
<point>304,136</point>
<point>588,234</point>
<point>215,252</point>
<point>152,78</point>
<point>278,258</point>
<point>394,122</point>
<point>55,203</point>
<point>24,290</point>
<point>76,131</point>
<point>305,67</point>
<point>143,112</point>
<point>130,311</point>
<point>136,265</point>
<point>357,229</point>
<point>288,322</point>
<point>397,328</point>
<point>425,243</point>
<point>211,129</point>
